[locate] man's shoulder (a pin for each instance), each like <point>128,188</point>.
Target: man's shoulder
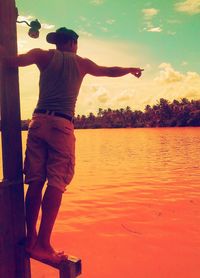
<point>41,52</point>
<point>83,61</point>
<point>83,64</point>
<point>41,57</point>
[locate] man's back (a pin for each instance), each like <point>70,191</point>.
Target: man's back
<point>60,82</point>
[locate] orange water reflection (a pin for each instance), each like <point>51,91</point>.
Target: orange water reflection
<point>132,209</point>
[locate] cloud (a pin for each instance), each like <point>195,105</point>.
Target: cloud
<point>192,76</point>
<point>172,84</point>
<point>171,33</point>
<point>24,17</point>
<point>104,29</point>
<point>103,98</point>
<point>110,21</point>
<point>84,33</point>
<point>149,13</point>
<point>84,21</point>
<point>184,63</point>
<point>150,28</point>
<point>168,75</point>
<point>189,6</point>
<point>173,21</point>
<point>82,18</point>
<point>155,29</point>
<point>125,96</point>
<point>97,2</point>
<point>100,92</point>
<point>92,96</point>
<point>47,26</point>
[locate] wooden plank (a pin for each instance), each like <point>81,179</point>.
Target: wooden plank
<point>71,268</point>
<point>68,268</point>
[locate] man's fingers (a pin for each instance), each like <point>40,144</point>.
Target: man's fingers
<point>138,73</point>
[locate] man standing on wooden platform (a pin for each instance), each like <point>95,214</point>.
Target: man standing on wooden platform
<point>50,152</point>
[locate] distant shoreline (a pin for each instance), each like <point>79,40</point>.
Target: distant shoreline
<point>183,113</point>
<point>26,129</point>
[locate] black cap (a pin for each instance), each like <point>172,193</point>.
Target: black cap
<point>62,35</point>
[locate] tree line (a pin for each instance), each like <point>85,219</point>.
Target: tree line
<point>163,114</point>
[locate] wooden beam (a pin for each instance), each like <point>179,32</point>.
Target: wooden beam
<point>10,106</point>
<point>12,194</point>
<point>71,268</point>
<point>68,268</point>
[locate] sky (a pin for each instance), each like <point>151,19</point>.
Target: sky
<point>163,37</point>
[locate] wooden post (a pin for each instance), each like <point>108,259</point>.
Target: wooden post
<point>13,262</point>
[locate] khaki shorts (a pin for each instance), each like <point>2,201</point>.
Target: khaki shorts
<point>50,151</point>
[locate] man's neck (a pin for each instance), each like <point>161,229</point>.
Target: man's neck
<point>65,49</point>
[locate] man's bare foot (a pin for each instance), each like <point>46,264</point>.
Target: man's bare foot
<point>47,253</point>
<point>51,249</point>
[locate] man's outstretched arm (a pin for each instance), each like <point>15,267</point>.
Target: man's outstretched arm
<point>96,70</point>
<point>20,60</point>
<point>34,56</point>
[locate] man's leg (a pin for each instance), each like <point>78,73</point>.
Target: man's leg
<point>59,171</point>
<point>33,203</point>
<point>50,207</point>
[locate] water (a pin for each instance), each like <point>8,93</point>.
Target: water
<point>132,165</point>
<point>132,209</point>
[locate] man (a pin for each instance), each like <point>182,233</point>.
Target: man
<point>51,142</point>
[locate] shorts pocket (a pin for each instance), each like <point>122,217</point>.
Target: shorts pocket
<point>70,169</point>
<point>62,128</point>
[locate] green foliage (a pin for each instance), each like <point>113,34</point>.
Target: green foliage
<point>163,114</point>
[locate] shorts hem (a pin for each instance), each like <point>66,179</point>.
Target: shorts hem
<point>29,180</point>
<point>62,189</point>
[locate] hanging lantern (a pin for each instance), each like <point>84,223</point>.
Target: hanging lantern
<point>34,30</point>
<point>35,27</point>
